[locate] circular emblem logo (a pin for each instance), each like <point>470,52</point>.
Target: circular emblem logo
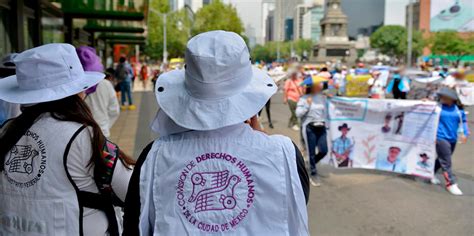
<point>215,192</point>
<point>26,161</point>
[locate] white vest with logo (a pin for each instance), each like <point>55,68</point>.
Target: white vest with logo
<point>37,196</point>
<point>230,181</point>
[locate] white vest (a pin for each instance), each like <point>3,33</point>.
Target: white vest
<point>230,181</point>
<point>37,196</point>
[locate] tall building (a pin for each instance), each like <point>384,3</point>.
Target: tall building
<point>312,22</point>
<point>251,14</point>
<point>284,9</point>
<point>269,26</point>
<point>394,12</point>
<point>300,11</point>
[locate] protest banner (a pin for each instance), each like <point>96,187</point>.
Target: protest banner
<point>466,93</point>
<point>390,135</point>
<point>356,86</point>
<point>424,87</point>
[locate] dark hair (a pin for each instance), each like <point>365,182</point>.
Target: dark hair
<point>324,69</point>
<point>122,59</point>
<point>71,108</point>
<point>307,90</point>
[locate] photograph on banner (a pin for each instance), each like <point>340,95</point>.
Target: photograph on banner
<point>424,87</point>
<point>387,135</point>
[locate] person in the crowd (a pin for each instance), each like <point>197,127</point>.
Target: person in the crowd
<point>55,160</point>
<point>339,79</point>
<point>292,93</point>
<point>451,120</point>
<point>342,147</point>
<point>8,110</point>
<point>376,86</point>
<point>399,86</point>
<point>267,110</point>
<point>101,98</point>
<point>457,78</point>
<point>361,70</point>
<point>215,173</point>
<point>144,74</point>
<point>311,109</point>
<point>436,72</point>
<point>124,75</point>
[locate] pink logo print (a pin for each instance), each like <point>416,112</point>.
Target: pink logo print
<point>213,191</point>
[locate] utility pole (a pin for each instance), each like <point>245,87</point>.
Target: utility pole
<point>165,50</point>
<point>410,33</point>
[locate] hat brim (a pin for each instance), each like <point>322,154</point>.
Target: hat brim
<point>448,95</point>
<point>202,114</point>
<point>11,92</point>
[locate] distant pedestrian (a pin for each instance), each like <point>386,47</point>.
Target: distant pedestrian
<point>399,86</point>
<point>59,174</point>
<point>311,109</point>
<point>101,98</point>
<point>292,93</point>
<point>376,86</point>
<point>124,75</point>
<point>144,73</point>
<point>451,120</point>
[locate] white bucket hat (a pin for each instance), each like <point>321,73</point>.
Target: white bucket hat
<point>47,73</point>
<point>219,86</point>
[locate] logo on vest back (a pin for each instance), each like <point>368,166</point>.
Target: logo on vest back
<point>26,162</point>
<point>215,192</point>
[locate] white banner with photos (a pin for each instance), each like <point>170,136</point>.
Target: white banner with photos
<point>388,135</point>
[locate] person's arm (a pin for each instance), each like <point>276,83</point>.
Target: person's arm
<point>302,107</point>
<point>303,173</point>
<point>113,108</point>
<point>131,218</point>
<point>465,127</point>
<point>285,91</point>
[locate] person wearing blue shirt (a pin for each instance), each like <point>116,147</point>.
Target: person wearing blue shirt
<point>452,119</point>
<point>391,162</point>
<point>399,86</point>
<point>342,147</point>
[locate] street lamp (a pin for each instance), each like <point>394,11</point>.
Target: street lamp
<point>165,50</point>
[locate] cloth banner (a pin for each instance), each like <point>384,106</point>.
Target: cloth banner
<point>356,86</point>
<point>424,87</point>
<point>466,93</point>
<point>390,135</point>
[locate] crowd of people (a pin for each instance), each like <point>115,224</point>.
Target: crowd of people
<point>212,166</point>
<point>305,91</point>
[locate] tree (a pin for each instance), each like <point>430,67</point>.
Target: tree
<point>268,52</point>
<point>217,16</point>
<point>392,41</point>
<point>450,43</point>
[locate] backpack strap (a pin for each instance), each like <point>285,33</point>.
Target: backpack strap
<point>106,199</point>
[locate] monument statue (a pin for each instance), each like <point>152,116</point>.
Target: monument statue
<point>334,43</point>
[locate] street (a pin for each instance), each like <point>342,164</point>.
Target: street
<point>350,202</point>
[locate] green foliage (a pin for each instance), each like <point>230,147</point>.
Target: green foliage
<point>217,16</point>
<point>449,42</point>
<point>392,41</point>
<point>269,51</point>
<point>179,27</point>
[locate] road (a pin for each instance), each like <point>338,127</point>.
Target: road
<point>352,202</point>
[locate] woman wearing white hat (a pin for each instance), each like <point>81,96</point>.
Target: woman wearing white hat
<point>60,175</point>
<point>210,172</point>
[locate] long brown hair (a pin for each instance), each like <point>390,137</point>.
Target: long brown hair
<point>71,108</point>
